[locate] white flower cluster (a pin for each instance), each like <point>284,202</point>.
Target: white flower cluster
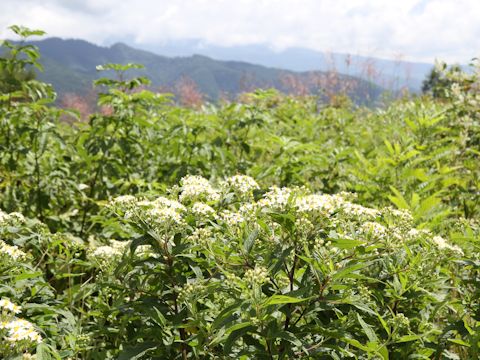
<point>124,201</point>
<point>9,307</point>
<point>241,184</point>
<point>18,333</point>
<point>20,330</point>
<point>161,213</point>
<point>107,254</point>
<point>438,241</point>
<point>163,202</point>
<point>319,203</point>
<point>316,216</point>
<point>11,218</point>
<point>12,252</point>
<point>196,187</point>
<point>362,212</point>
<point>202,210</point>
<point>232,218</point>
<point>160,217</point>
<point>442,244</point>
<point>276,199</point>
<point>417,233</point>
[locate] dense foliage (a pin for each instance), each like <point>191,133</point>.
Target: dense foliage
<point>272,228</point>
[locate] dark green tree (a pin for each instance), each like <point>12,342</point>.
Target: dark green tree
<point>18,61</point>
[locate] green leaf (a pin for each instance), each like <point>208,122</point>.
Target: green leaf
<point>350,269</point>
<point>250,240</point>
<point>136,352</point>
<point>398,199</point>
<point>283,299</point>
<point>288,336</point>
<point>346,243</point>
<point>367,329</point>
<point>459,342</point>
<point>26,276</point>
<point>407,338</point>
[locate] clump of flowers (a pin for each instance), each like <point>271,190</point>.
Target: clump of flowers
<point>242,185</point>
<point>195,188</point>
<point>161,214</point>
<point>359,211</point>
<point>16,335</point>
<point>9,307</point>
<point>203,210</point>
<point>277,199</point>
<point>105,255</point>
<point>319,203</point>
<point>11,219</point>
<point>442,244</point>
<point>231,218</point>
<point>374,230</point>
<point>20,330</point>
<point>11,252</point>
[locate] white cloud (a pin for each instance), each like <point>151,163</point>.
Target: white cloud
<point>419,29</point>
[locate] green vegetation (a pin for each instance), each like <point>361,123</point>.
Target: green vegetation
<point>277,227</point>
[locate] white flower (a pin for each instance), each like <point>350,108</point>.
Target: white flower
<point>106,252</point>
<point>164,216</point>
<point>12,251</point>
<point>231,218</point>
<point>162,202</point>
<point>242,184</point>
<point>442,244</point>
<point>19,330</point>
<point>6,304</point>
<point>276,199</point>
<point>202,209</point>
<point>12,218</point>
<point>416,233</point>
<point>318,202</point>
<point>360,211</point>
<point>124,203</point>
<point>195,187</point>
<point>124,199</point>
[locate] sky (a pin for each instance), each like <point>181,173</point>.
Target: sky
<point>416,30</point>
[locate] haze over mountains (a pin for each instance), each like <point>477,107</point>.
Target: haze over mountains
<point>227,71</point>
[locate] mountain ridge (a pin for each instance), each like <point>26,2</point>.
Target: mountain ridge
<point>70,65</point>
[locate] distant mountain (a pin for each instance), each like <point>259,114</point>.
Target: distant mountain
<point>390,74</point>
<point>70,67</point>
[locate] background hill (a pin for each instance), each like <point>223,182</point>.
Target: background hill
<point>70,67</point>
<point>390,74</point>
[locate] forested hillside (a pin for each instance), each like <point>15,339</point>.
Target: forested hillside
<point>70,65</point>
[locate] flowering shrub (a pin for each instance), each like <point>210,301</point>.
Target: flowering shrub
<point>358,237</point>
<point>287,273</point>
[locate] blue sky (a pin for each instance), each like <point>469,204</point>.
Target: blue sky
<point>419,30</point>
